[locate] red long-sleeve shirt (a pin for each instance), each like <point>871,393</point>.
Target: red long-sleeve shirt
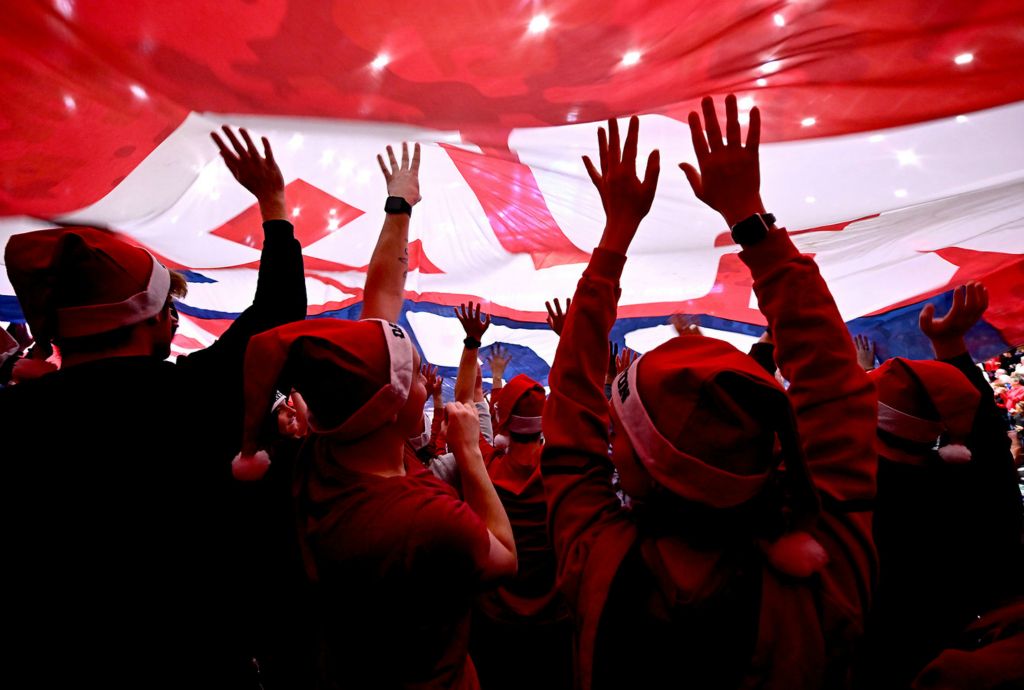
<point>836,410</point>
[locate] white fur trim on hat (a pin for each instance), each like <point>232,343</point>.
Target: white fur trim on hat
<point>677,471</point>
<point>389,399</point>
<point>917,430</point>
<point>75,322</point>
<point>420,441</point>
<point>250,468</point>
<point>908,426</point>
<point>524,425</point>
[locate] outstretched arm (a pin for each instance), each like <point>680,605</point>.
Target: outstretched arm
<point>478,491</point>
<point>813,346</point>
<point>556,319</point>
<point>280,288</point>
<point>582,504</point>
<point>865,352</point>
<point>384,293</point>
<point>946,334</point>
<point>475,327</point>
<point>834,400</point>
<point>498,361</point>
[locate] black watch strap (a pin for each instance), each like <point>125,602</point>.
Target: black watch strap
<point>397,204</point>
<point>471,343</point>
<point>753,229</point>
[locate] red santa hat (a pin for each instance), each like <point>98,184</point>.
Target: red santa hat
<point>924,407</point>
<point>80,281</point>
<point>353,375</point>
<point>703,419</point>
<point>519,406</point>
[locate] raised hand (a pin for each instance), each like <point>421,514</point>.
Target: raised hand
<point>471,322</point>
<point>684,325</point>
<point>259,174</point>
<point>403,179</point>
<point>556,319</point>
<point>626,199</point>
<point>498,360</point>
<point>947,333</point>
<point>969,303</point>
<point>625,359</point>
<point>434,381</point>
<point>463,426</point>
<point>865,348</point>
<point>729,175</point>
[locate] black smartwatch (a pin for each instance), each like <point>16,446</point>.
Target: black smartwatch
<point>397,204</point>
<point>753,229</point>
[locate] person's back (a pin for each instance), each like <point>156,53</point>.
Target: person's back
<point>407,578</point>
<point>119,507</point>
<point>522,632</point>
<point>746,559</point>
<point>392,553</point>
<point>948,513</point>
<point>116,578</point>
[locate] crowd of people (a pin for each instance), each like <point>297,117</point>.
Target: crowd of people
<point>279,511</point>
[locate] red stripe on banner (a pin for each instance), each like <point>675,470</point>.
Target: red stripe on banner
<point>1005,297</point>
<point>834,227</point>
<point>725,239</point>
<point>316,309</point>
<point>214,327</point>
<point>418,259</point>
<point>515,207</point>
<point>971,265</point>
<point>183,341</point>
<point>1002,274</point>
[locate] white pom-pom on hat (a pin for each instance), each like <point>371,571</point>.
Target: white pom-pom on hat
<point>796,553</point>
<point>955,453</point>
<point>250,468</point>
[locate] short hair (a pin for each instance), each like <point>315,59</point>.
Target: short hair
<point>179,286</point>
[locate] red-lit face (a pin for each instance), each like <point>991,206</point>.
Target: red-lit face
<point>410,418</point>
<point>287,421</point>
<point>163,331</point>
